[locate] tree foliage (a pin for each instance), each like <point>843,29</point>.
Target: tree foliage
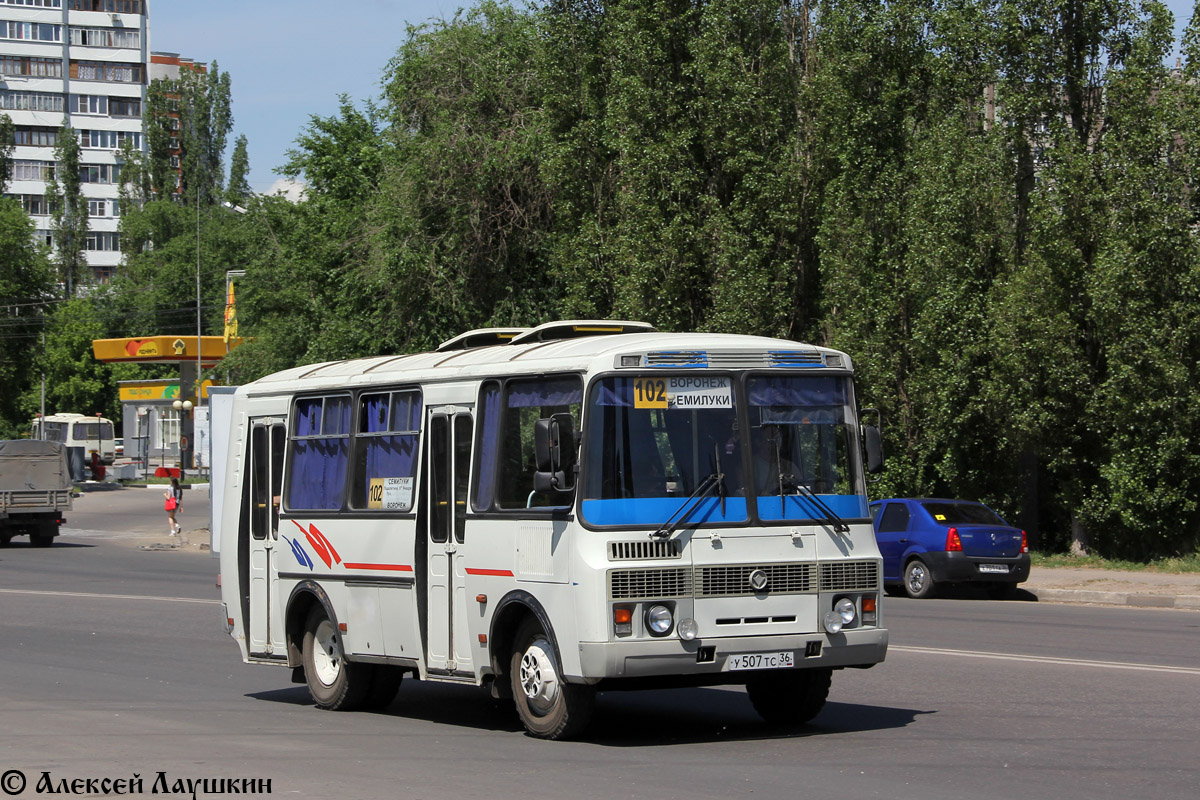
<point>990,204</point>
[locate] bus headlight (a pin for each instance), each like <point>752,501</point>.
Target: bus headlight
<point>845,608</point>
<point>659,620</point>
<point>688,629</point>
<point>833,622</point>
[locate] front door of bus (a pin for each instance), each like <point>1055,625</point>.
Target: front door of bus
<point>449,649</point>
<point>264,477</point>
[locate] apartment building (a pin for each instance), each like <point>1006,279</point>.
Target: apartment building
<point>85,63</point>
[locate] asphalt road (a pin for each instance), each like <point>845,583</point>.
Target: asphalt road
<point>115,664</point>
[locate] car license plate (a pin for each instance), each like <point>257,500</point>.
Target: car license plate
<point>781,660</point>
<point>1002,568</point>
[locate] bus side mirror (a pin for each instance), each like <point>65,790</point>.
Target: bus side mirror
<point>874,443</point>
<point>554,450</point>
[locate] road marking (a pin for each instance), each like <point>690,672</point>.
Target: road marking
<point>1069,662</point>
<point>111,596</point>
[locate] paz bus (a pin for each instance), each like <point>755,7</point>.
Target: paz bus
<point>93,434</point>
<point>552,512</point>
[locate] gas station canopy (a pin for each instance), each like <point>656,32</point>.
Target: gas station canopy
<point>166,349</point>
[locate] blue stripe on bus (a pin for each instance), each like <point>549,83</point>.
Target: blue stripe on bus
<point>657,510</point>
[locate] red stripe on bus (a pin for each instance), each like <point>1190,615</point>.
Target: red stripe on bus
<point>504,573</point>
<point>391,567</point>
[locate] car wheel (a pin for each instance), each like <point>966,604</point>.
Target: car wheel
<point>1000,590</point>
<point>918,580</point>
<point>549,707</point>
<point>789,697</point>
<point>334,683</point>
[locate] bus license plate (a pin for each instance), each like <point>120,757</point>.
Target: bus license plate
<point>781,660</point>
<point>1001,568</point>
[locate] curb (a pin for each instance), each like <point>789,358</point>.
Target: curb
<point>1187,601</point>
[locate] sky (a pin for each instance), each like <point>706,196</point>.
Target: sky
<point>290,59</point>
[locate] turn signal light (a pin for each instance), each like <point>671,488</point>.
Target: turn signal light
<point>868,603</point>
<point>622,621</point>
<point>1024,542</point>
<point>953,543</point>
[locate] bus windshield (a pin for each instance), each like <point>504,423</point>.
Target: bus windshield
<point>800,446</point>
<point>653,440</point>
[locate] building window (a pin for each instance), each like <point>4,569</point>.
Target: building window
<point>35,137</point>
<point>43,236</point>
<point>36,3</point>
<point>30,31</point>
<point>100,173</point>
<point>109,140</point>
<point>106,37</point>
<point>31,101</point>
<point>32,67</point>
<point>102,241</point>
<point>175,162</point>
<point>111,6</point>
<point>32,170</point>
<point>33,204</point>
<point>88,104</point>
<point>106,71</point>
<point>125,107</point>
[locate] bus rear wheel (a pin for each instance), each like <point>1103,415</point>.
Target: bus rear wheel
<point>334,683</point>
<point>790,696</point>
<point>549,707</point>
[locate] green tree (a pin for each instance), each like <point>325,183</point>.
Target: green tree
<point>26,284</point>
<point>68,211</point>
<point>239,169</point>
<point>7,142</point>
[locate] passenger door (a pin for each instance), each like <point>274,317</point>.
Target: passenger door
<point>264,475</point>
<point>450,433</point>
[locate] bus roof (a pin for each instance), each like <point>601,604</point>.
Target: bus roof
<point>531,355</point>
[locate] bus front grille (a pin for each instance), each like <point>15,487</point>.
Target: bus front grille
<point>849,576</point>
<point>729,580</point>
<point>642,584</point>
<point>645,551</point>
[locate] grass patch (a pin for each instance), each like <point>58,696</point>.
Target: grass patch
<point>1178,564</point>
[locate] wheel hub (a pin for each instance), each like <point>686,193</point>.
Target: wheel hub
<point>538,679</point>
<point>327,655</point>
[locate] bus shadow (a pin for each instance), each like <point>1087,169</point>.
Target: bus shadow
<point>630,719</point>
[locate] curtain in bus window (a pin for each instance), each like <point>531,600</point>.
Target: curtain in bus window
<point>317,473</point>
<point>489,427</point>
<point>308,416</point>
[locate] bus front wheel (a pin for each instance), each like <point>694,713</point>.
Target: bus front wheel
<point>334,683</point>
<point>549,707</point>
<point>789,696</point>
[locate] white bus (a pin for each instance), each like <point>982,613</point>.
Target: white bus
<point>93,434</point>
<point>578,507</point>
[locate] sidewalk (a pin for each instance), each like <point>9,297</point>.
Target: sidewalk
<point>1114,587</point>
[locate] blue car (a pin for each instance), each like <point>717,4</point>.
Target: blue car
<point>926,542</point>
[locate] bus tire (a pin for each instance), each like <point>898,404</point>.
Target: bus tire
<point>549,707</point>
<point>918,580</point>
<point>334,683</point>
<point>385,682</point>
<point>789,696</point>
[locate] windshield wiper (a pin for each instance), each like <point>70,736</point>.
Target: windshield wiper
<point>715,480</point>
<point>828,515</point>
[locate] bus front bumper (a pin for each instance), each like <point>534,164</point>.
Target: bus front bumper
<point>647,658</point>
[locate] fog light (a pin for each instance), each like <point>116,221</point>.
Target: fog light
<point>833,622</point>
<point>688,629</point>
<point>845,608</point>
<point>659,620</point>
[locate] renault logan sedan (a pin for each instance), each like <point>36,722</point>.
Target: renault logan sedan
<point>926,542</point>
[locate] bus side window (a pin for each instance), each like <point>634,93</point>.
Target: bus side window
<point>510,471</point>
